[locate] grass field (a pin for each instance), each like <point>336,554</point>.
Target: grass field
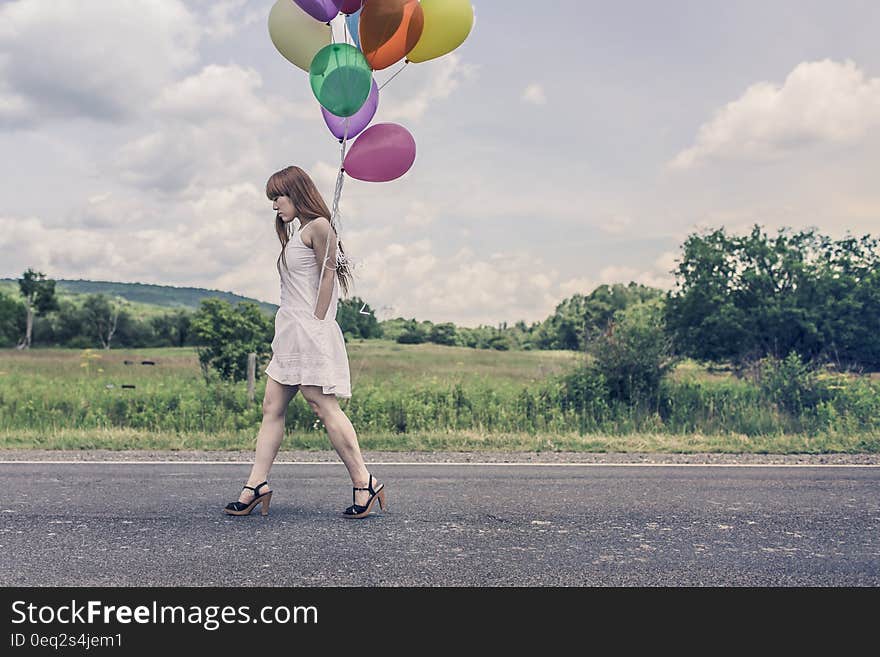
<point>406,397</point>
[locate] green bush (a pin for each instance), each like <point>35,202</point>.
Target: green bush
<point>635,353</point>
<point>227,334</point>
<point>791,383</point>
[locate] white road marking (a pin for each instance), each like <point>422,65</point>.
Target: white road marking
<point>472,463</point>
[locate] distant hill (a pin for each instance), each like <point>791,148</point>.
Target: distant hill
<point>167,296</point>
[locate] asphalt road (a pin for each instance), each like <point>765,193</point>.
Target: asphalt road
<point>161,524</point>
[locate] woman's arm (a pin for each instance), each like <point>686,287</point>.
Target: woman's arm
<point>321,234</point>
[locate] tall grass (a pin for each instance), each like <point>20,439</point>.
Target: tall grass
<point>413,396</point>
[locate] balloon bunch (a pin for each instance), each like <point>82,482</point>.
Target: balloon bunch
<point>383,33</point>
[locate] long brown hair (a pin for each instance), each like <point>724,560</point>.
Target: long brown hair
<point>296,184</point>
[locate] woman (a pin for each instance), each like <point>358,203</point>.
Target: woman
<point>308,350</point>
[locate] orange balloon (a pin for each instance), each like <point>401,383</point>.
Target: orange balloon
<point>389,29</point>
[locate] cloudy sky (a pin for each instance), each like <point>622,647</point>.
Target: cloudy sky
<point>564,145</point>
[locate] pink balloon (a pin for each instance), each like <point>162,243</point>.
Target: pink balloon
<point>350,6</point>
<point>382,153</point>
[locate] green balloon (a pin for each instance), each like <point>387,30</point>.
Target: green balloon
<point>341,78</point>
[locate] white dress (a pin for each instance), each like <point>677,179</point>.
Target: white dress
<point>307,350</point>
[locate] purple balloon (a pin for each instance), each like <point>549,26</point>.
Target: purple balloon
<point>384,152</point>
<point>358,121</point>
<point>322,10</point>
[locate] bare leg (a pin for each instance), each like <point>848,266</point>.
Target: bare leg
<point>343,438</point>
<point>275,403</point>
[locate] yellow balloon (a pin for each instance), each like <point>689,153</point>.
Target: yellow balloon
<point>447,25</point>
<point>297,35</point>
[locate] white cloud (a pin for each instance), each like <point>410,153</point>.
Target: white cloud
<point>56,57</point>
<point>819,102</point>
<point>19,239</point>
<point>324,175</point>
<point>225,18</point>
<point>659,276</point>
<point>69,251</point>
<point>444,77</point>
<point>419,215</point>
<point>666,262</point>
<point>230,224</point>
<point>617,224</point>
<point>214,127</point>
<point>741,220</point>
<point>578,285</point>
<point>106,212</point>
<point>218,93</point>
<point>625,275</point>
<point>226,230</point>
<point>534,94</point>
<point>464,287</point>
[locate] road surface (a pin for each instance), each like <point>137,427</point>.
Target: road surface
<point>162,524</point>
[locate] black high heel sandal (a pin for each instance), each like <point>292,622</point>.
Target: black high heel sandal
<point>242,509</point>
<point>362,511</point>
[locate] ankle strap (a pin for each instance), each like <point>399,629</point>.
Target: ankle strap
<point>257,487</point>
<point>369,486</point>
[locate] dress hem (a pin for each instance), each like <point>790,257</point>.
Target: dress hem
<point>324,387</point>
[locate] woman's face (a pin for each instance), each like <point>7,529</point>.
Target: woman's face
<point>285,208</point>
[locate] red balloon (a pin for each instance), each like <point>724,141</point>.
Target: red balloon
<point>389,29</point>
<point>350,6</point>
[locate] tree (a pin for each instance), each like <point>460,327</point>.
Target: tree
<point>469,337</point>
<point>172,329</point>
<point>227,334</point>
<point>101,316</point>
<point>702,313</point>
<point>745,298</point>
<point>606,300</point>
<point>499,342</point>
<point>132,331</point>
<point>564,329</point>
<point>635,353</point>
<point>39,297</point>
<point>443,334</point>
<point>68,326</point>
<point>13,320</point>
<point>355,317</point>
<point>847,291</point>
<point>579,319</point>
<point>412,333</point>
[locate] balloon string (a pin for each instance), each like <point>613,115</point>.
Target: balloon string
<point>395,75</point>
<point>337,195</point>
<point>334,221</point>
<point>334,213</point>
<point>340,178</point>
<point>342,258</point>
